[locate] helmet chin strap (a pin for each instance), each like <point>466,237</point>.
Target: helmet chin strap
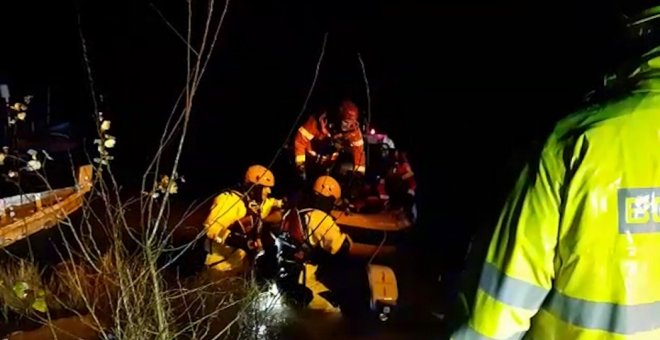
<point>643,30</point>
<point>645,16</point>
<point>641,45</point>
<point>252,199</point>
<point>645,26</point>
<point>253,205</point>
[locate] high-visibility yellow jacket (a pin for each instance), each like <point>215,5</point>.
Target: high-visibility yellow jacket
<point>322,230</point>
<point>576,252</point>
<point>228,208</point>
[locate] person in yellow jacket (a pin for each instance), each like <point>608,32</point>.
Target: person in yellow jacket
<point>576,252</point>
<point>307,245</point>
<point>233,224</point>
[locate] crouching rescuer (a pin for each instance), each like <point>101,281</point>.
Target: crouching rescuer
<point>309,245</point>
<point>233,226</point>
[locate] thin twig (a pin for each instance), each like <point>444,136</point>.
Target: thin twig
<point>366,85</point>
<point>167,22</point>
<point>294,125</point>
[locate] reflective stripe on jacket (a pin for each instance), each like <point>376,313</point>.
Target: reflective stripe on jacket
<point>407,175</point>
<point>353,141</point>
<point>322,231</point>
<point>302,142</point>
<point>576,251</point>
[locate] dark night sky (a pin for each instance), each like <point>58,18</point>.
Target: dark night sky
<point>464,85</point>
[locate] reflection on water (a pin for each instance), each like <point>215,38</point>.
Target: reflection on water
<point>275,319</point>
<point>269,316</point>
<point>270,300</point>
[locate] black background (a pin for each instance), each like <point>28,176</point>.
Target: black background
<point>466,86</point>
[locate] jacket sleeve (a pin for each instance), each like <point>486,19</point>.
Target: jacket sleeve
<point>409,177</point>
<point>519,267</point>
<point>302,142</point>
<point>268,205</point>
<point>324,232</point>
<point>227,208</point>
<point>382,192</point>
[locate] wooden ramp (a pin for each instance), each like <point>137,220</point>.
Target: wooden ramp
<point>27,214</point>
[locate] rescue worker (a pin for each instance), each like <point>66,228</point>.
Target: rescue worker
<point>576,251</point>
<point>233,224</point>
<point>310,243</point>
<point>312,146</point>
<point>349,136</point>
<point>398,185</point>
<point>348,139</point>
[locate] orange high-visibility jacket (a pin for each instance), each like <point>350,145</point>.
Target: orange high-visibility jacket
<point>353,139</point>
<point>404,171</point>
<point>302,143</point>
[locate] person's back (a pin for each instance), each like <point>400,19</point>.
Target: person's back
<point>576,252</point>
<point>605,267</point>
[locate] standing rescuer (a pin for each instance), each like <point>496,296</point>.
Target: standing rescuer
<point>350,136</point>
<point>576,251</point>
<point>309,145</point>
<point>398,184</point>
<point>233,224</point>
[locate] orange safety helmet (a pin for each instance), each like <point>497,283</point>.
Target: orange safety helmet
<point>328,187</point>
<point>259,174</point>
<point>348,110</point>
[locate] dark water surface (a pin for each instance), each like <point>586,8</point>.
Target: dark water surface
<point>419,296</point>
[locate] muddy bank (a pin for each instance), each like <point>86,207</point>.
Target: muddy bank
<point>72,328</point>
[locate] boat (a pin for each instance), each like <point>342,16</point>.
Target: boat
<point>27,214</point>
<point>375,233</point>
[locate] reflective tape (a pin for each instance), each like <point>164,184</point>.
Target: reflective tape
<point>358,143</point>
<point>300,159</point>
<point>467,333</point>
<point>305,133</point>
<point>637,210</point>
<point>407,175</point>
<point>609,317</point>
<point>509,290</point>
<point>603,316</point>
<point>361,169</point>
